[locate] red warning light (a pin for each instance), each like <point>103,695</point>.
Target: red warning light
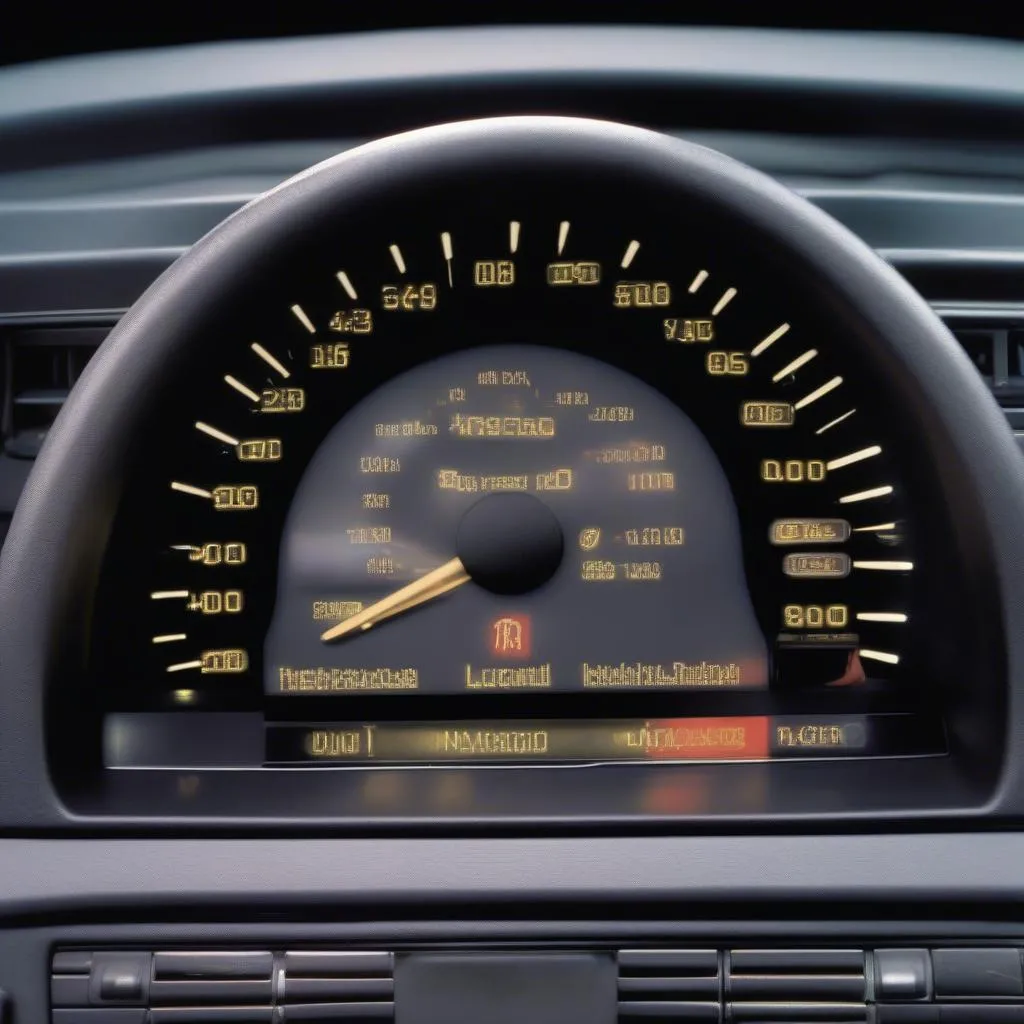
<point>510,636</point>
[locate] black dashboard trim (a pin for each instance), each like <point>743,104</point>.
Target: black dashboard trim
<point>72,284</point>
<point>70,875</point>
<point>896,64</point>
<point>214,94</point>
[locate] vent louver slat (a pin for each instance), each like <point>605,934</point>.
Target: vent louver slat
<point>669,985</point>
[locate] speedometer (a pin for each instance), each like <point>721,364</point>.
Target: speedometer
<point>522,469</point>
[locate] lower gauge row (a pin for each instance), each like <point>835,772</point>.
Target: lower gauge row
<point>229,739</point>
<point>746,738</point>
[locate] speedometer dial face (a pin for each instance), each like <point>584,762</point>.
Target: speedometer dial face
<point>558,484</point>
<point>516,476</point>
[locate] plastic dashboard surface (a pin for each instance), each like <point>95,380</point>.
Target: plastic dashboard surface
<point>118,162</point>
<point>102,121</point>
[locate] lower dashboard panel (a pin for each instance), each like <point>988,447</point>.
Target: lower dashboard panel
<point>975,981</point>
<point>587,895</point>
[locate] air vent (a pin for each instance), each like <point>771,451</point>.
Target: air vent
<point>669,984</point>
<point>42,365</point>
<point>796,985</point>
<point>218,987</point>
<point>992,335</point>
<point>210,979</point>
<point>337,986</point>
<point>981,345</point>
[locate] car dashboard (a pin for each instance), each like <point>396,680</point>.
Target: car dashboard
<point>513,522</point>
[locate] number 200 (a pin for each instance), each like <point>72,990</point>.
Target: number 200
<point>814,616</point>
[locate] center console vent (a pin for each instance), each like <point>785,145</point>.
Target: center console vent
<point>905,985</point>
<point>237,987</point>
<point>796,985</point>
<point>670,984</point>
<point>953,983</point>
<point>333,986</point>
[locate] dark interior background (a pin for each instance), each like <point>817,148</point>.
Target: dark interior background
<point>38,31</point>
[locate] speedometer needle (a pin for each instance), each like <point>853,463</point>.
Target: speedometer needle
<point>437,582</point>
